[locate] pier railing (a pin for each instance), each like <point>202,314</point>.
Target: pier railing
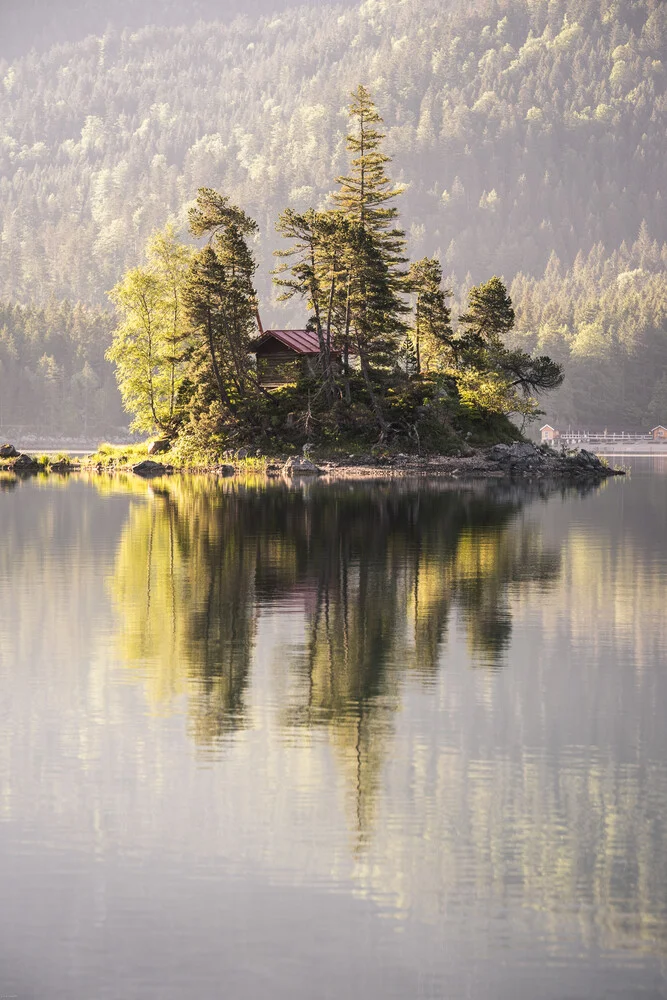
<point>587,437</point>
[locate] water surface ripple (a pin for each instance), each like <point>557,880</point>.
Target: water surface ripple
<point>364,741</point>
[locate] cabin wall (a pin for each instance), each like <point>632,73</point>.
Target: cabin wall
<point>278,367</point>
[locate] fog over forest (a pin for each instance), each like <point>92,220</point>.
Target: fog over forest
<point>530,137</point>
<point>42,23</point>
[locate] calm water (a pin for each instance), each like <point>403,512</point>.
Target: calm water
<point>333,742</point>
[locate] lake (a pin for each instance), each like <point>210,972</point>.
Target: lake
<point>374,741</point>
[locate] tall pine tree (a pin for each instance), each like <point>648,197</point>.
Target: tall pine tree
<point>221,300</point>
<point>432,328</point>
<point>374,279</point>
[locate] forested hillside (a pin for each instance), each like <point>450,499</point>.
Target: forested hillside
<point>53,376</point>
<point>520,129</point>
<point>38,24</point>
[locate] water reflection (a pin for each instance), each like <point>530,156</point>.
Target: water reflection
<point>449,702</point>
<point>375,572</point>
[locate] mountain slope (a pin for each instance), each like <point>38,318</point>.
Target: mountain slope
<point>519,127</point>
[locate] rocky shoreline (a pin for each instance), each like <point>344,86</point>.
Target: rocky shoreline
<point>521,460</point>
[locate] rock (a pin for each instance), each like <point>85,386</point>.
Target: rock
<point>24,463</point>
<point>148,469</point>
<point>225,470</point>
<point>242,453</point>
<point>588,458</point>
<point>300,467</point>
<point>518,456</point>
<point>499,452</point>
<point>8,451</point>
<point>522,450</point>
<point>159,447</point>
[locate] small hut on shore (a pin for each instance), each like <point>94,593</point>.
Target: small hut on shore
<point>283,354</point>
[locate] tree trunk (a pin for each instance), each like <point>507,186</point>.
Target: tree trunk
<point>224,396</point>
<point>366,372</point>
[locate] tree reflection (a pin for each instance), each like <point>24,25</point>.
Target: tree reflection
<point>384,569</point>
<point>377,572</point>
<point>184,584</point>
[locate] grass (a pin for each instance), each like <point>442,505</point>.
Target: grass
<point>112,456</point>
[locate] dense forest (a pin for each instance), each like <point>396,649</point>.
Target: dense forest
<point>53,375</point>
<point>523,131</point>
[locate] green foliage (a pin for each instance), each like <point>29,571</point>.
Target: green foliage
<point>432,321</point>
<point>491,377</point>
<point>489,317</point>
<point>150,345</point>
<point>221,304</point>
<point>112,456</point>
<point>346,264</point>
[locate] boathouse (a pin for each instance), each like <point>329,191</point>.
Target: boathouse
<point>659,433</point>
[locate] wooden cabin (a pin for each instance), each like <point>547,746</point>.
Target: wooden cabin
<point>549,434</point>
<point>282,355</point>
<point>659,433</point>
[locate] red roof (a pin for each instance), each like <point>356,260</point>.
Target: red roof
<point>299,341</point>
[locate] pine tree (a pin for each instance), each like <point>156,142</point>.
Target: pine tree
<point>364,193</point>
<point>432,323</point>
<point>491,375</point>
<point>311,268</point>
<point>372,260</point>
<point>490,315</point>
<point>170,260</point>
<point>221,299</point>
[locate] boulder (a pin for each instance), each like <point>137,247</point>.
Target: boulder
<point>159,447</point>
<point>25,463</point>
<point>499,453</point>
<point>147,469</point>
<point>225,470</point>
<point>8,451</point>
<point>242,453</point>
<point>522,450</point>
<point>300,467</point>
<point>588,458</point>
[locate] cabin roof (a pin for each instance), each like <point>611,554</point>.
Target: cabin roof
<point>660,427</point>
<point>299,341</point>
<point>547,427</point>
